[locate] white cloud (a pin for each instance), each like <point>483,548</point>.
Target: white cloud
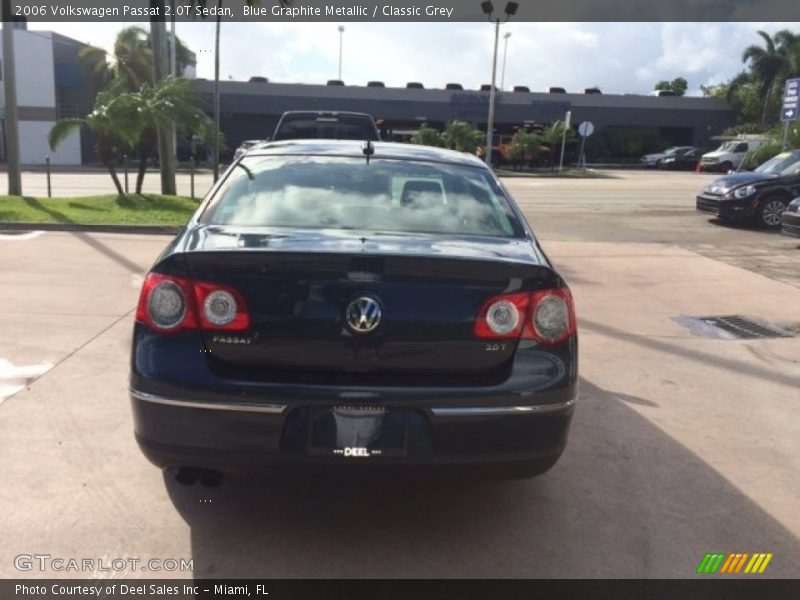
<point>618,57</point>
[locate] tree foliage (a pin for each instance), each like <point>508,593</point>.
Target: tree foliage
<point>679,85</point>
<point>427,136</point>
<point>461,136</point>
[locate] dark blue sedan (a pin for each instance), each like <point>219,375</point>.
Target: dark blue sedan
<point>354,303</point>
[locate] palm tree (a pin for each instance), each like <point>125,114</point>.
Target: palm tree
<point>768,66</point>
<point>156,107</point>
<point>789,46</point>
<point>552,137</point>
<point>461,136</point>
<point>110,126</point>
<point>427,136</point>
<point>526,146</point>
<point>131,65</point>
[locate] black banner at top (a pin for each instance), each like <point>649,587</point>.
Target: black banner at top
<point>402,10</point>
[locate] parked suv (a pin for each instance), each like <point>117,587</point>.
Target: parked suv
<point>329,125</point>
<point>729,155</point>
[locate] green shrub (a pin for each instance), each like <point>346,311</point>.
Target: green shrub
<point>761,155</point>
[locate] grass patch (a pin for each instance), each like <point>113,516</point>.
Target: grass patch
<point>110,209</point>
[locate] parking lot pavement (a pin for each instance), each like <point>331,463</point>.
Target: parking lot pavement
<point>681,444</point>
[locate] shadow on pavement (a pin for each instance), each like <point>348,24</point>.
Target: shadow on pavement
<point>626,500</point>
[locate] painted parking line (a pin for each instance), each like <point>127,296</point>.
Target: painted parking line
<point>21,236</point>
<point>14,378</point>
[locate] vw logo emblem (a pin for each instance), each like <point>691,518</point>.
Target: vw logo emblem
<point>363,315</point>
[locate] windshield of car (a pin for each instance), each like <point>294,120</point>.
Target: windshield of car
<point>331,127</point>
<point>786,163</point>
<point>332,192</point>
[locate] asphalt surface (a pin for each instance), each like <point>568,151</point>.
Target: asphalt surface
<point>682,444</point>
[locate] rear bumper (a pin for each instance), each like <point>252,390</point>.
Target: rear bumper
<point>193,430</point>
<point>790,224</point>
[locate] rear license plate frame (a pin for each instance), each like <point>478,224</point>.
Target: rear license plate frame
<point>390,441</point>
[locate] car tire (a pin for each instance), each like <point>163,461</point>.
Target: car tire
<point>770,210</point>
<point>726,166</point>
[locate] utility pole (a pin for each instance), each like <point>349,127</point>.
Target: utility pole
<point>11,117</point>
<point>215,150</point>
<point>341,42</point>
<point>506,35</point>
<point>166,148</point>
<point>492,95</point>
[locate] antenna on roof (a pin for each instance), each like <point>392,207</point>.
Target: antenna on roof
<point>368,149</point>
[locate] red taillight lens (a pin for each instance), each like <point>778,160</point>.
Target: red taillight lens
<point>168,304</point>
<point>221,308</point>
<point>552,316</point>
<point>502,317</point>
<point>547,316</point>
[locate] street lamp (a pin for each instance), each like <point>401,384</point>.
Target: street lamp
<point>506,35</point>
<point>341,37</point>
<point>488,9</point>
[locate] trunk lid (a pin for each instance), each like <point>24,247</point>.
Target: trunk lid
<point>298,286</point>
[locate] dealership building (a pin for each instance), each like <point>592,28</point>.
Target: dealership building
<point>250,109</point>
<point>51,85</point>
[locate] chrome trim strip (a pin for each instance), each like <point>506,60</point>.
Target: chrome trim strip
<point>273,409</point>
<point>471,411</point>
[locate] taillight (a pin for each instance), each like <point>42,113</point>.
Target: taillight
<point>547,316</point>
<point>552,316</point>
<point>169,304</point>
<point>166,303</point>
<point>502,317</point>
<point>221,308</point>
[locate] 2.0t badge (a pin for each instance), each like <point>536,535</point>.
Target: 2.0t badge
<point>363,315</point>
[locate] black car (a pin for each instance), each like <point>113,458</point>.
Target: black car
<point>339,302</point>
<point>790,223</point>
<point>330,125</point>
<point>761,195</point>
<point>685,159</point>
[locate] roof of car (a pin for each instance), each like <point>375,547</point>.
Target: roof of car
<point>354,148</point>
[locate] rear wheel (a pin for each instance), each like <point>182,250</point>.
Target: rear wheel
<point>770,211</point>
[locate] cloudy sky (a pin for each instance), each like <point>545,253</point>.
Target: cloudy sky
<point>617,57</point>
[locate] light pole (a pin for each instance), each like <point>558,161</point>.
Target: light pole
<point>341,38</point>
<point>506,35</point>
<point>488,8</point>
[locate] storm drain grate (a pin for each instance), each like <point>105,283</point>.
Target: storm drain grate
<point>745,328</point>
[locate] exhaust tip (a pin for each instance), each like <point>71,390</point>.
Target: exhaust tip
<point>186,476</point>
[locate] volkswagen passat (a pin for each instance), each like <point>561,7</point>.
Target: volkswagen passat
<point>348,302</point>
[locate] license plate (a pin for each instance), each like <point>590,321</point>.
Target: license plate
<point>357,432</point>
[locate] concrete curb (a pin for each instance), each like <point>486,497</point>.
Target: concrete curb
<point>145,229</point>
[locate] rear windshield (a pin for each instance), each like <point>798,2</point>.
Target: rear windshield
<point>327,192</point>
<point>329,127</point>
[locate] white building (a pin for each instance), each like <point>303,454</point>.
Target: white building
<point>50,86</point>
